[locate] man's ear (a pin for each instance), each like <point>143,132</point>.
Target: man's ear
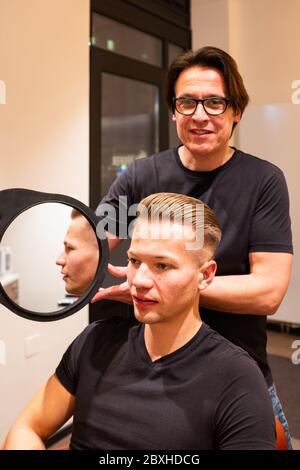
<point>237,116</point>
<point>206,274</point>
<point>173,117</point>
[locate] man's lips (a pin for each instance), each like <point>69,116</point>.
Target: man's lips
<point>144,301</point>
<point>200,132</point>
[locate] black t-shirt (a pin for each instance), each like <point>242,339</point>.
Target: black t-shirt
<point>209,394</point>
<point>250,198</point>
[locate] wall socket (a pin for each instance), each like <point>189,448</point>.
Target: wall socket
<point>2,353</point>
<point>32,345</point>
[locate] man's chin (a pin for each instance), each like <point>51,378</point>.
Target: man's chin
<point>148,318</point>
<point>74,291</point>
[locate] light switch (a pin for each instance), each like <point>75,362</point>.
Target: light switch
<point>32,345</point>
<point>2,353</point>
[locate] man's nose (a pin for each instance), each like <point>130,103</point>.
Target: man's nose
<point>142,278</point>
<point>200,112</point>
<point>60,260</point>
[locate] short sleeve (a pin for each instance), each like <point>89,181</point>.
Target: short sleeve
<point>245,418</point>
<point>68,368</point>
<point>271,225</point>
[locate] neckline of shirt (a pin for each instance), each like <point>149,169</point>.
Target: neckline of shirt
<point>204,173</point>
<point>175,355</point>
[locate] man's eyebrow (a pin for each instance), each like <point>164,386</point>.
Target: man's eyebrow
<point>192,96</point>
<point>158,257</point>
<point>68,242</point>
<point>131,253</point>
<point>162,257</point>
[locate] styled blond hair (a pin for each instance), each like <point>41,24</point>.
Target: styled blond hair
<point>185,210</point>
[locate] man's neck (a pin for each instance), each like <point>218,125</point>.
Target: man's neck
<point>204,162</point>
<point>164,338</point>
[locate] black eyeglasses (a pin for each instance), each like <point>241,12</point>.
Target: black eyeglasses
<point>213,106</point>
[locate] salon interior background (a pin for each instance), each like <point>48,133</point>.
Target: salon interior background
<point>44,139</point>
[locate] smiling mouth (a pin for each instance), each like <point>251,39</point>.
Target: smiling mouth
<point>200,132</point>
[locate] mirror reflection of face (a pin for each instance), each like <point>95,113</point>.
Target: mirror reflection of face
<point>79,259</point>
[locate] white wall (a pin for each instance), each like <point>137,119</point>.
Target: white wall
<point>272,131</point>
<point>263,36</point>
<point>210,22</point>
<point>44,145</point>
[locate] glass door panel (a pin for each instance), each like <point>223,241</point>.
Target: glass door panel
<point>129,124</point>
<point>117,37</point>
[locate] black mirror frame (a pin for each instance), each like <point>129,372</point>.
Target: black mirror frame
<point>17,200</point>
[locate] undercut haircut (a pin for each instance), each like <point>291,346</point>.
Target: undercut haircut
<point>185,210</point>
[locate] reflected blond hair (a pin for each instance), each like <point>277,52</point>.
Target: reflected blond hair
<point>76,214</point>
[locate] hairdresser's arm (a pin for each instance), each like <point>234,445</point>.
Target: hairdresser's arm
<point>257,293</point>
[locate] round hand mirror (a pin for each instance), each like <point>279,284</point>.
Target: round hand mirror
<point>57,261</point>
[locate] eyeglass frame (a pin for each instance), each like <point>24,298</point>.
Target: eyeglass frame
<point>202,100</point>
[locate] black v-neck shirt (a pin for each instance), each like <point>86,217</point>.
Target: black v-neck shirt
<point>209,394</point>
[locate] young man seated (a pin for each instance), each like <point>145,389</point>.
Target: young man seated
<point>168,381</point>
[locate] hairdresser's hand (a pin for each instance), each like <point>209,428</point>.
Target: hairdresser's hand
<point>121,292</point>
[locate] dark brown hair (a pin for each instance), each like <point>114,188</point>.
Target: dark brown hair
<point>211,57</point>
